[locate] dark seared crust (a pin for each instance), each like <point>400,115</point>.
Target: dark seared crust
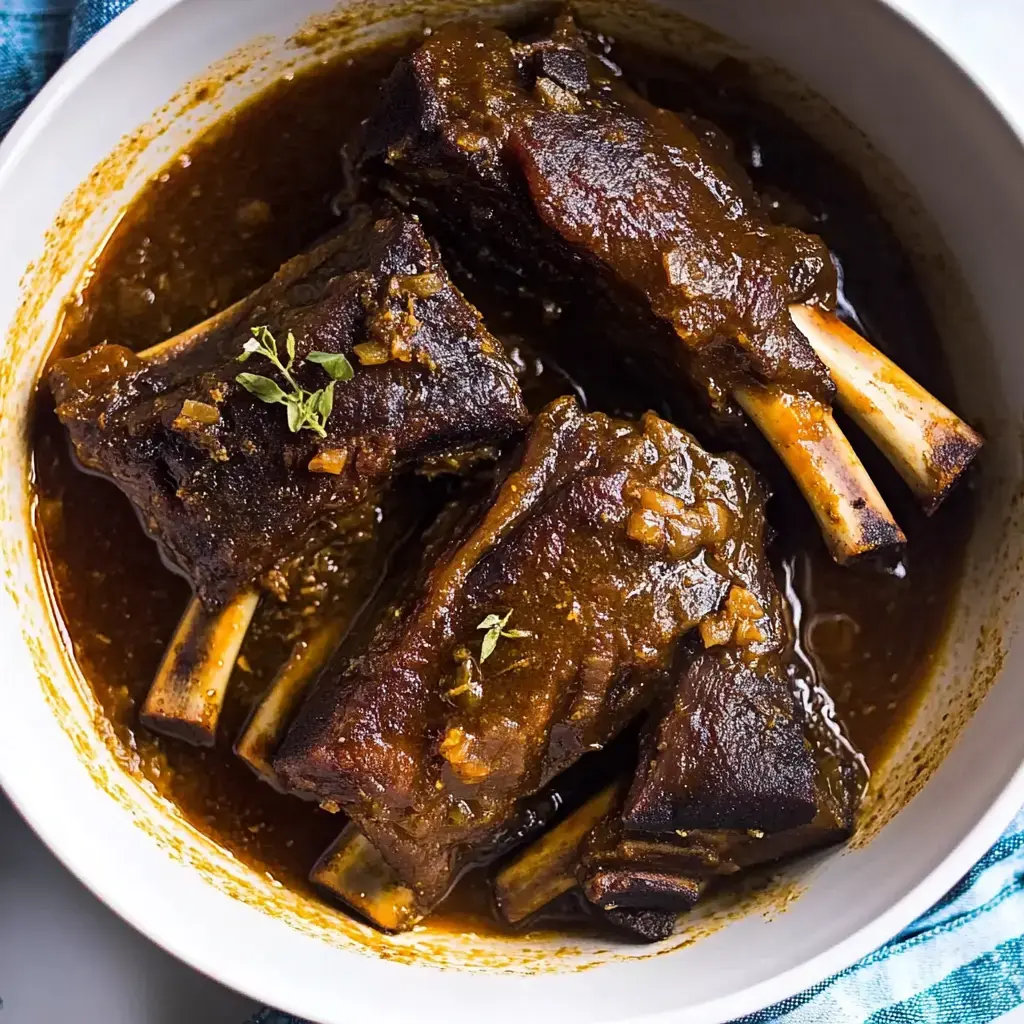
<point>667,855</point>
<point>672,869</point>
<point>728,754</point>
<point>628,924</point>
<point>641,888</point>
<point>429,775</point>
<point>538,160</point>
<point>228,500</point>
<point>642,925</point>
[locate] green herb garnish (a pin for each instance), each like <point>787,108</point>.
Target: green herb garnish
<point>495,626</point>
<point>307,410</point>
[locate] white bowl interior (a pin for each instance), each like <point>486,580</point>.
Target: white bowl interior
<point>955,157</point>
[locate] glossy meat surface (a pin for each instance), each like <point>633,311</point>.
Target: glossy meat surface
<point>181,240</point>
<point>216,474</point>
<point>605,544</point>
<point>736,767</point>
<point>544,163</point>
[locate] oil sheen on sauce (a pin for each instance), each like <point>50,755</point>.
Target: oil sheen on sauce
<point>256,189</point>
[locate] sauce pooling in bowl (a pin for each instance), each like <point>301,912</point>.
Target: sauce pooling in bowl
<point>266,183</point>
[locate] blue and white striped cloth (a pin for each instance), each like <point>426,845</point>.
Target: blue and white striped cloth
<point>961,963</point>
<point>35,36</point>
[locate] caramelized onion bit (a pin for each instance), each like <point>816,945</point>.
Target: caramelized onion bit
<point>736,622</point>
<point>667,522</point>
<point>457,749</point>
<point>423,286</point>
<point>329,460</point>
<point>662,502</point>
<point>196,414</point>
<point>718,522</point>
<point>557,98</point>
<point>371,353</point>
<point>647,528</point>
<point>685,535</point>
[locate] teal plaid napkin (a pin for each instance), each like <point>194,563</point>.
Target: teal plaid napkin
<point>961,963</point>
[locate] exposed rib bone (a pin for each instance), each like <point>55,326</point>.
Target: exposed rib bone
<point>188,691</point>
<point>854,518</point>
<point>926,442</point>
<point>263,731</point>
<point>187,694</point>
<point>929,445</point>
<point>351,870</point>
<point>547,868</point>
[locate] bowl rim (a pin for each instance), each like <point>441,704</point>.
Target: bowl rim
<point>250,980</point>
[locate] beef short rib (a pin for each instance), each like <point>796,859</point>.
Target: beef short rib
<point>602,547</point>
<point>540,162</point>
<point>216,474</point>
<point>728,753</point>
<point>733,772</point>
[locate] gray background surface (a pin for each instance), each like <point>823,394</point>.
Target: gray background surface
<point>66,959</point>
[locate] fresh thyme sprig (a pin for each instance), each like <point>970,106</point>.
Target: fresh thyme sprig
<point>307,410</point>
<point>495,626</point>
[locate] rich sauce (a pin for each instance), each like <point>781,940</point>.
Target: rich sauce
<point>264,183</point>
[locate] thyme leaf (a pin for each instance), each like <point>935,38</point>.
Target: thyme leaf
<point>335,363</point>
<point>265,389</point>
<point>306,410</point>
<point>495,626</point>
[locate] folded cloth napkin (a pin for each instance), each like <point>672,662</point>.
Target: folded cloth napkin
<point>961,963</point>
<point>35,36</point>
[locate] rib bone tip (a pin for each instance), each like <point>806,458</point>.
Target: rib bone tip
<point>187,694</point>
<point>928,444</point>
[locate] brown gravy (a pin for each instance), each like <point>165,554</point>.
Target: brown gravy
<point>256,189</point>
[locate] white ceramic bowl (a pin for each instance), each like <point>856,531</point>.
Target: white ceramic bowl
<point>953,133</point>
